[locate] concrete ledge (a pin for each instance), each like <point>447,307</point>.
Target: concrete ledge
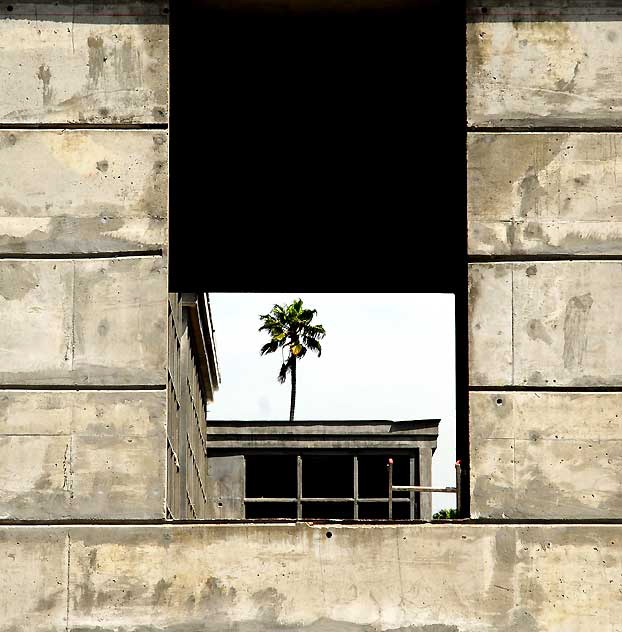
<point>445,578</point>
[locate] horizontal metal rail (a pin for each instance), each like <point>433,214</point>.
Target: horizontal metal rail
<point>422,489</point>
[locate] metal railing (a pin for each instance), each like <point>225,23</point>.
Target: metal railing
<point>423,489</point>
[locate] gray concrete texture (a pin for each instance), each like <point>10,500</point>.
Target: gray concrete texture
<point>83,322</point>
<point>79,191</point>
<point>551,67</point>
<point>260,578</point>
<point>546,455</point>
<point>553,323</point>
<point>82,455</point>
<point>84,62</point>
<point>544,193</point>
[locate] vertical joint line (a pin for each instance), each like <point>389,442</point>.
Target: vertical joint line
<point>299,487</point>
<point>73,312</point>
<point>68,573</point>
<point>356,487</point>
<point>512,327</point>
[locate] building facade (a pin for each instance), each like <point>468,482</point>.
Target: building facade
<point>93,411</point>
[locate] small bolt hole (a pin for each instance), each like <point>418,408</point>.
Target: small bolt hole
<point>220,504</point>
<point>10,8</point>
<point>329,534</point>
<point>165,10</point>
<point>499,401</point>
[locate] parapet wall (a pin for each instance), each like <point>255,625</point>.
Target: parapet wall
<point>260,578</point>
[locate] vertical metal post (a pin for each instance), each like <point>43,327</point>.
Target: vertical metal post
<point>390,466</point>
<point>411,481</point>
<point>356,487</point>
<point>458,488</point>
<point>299,487</point>
<point>425,480</point>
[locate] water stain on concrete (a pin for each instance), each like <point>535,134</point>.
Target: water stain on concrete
<point>160,590</point>
<point>97,59</point>
<point>531,191</point>
<point>16,280</point>
<point>45,75</point>
<point>575,330</point>
<point>537,331</point>
<point>128,65</point>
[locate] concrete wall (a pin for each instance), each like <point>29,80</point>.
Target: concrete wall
<point>83,272</point>
<point>546,277</point>
<point>259,578</point>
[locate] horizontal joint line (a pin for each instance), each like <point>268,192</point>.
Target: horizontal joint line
<point>82,387</point>
<point>158,252</point>
<point>540,258</point>
<point>551,389</point>
<point>82,126</point>
<point>549,129</point>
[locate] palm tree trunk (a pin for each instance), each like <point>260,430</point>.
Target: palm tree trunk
<point>293,401</point>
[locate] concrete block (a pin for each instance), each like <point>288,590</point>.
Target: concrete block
<point>567,323</point>
<point>490,324</point>
<point>89,455</point>
<point>36,313</point>
<point>34,564</point>
<point>35,479</point>
<point>84,62</point>
<point>77,191</point>
<point>120,321</point>
<point>554,65</point>
<point>544,193</point>
<point>99,321</point>
<point>546,455</point>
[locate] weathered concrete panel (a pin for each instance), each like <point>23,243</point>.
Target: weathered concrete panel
<point>120,321</point>
<point>546,455</point>
<point>77,191</point>
<point>84,62</point>
<point>82,455</point>
<point>544,193</point>
<point>99,321</point>
<point>36,315</point>
<point>490,324</point>
<point>559,325</point>
<point>33,579</point>
<point>567,323</point>
<point>550,66</point>
<point>261,578</point>
<point>35,480</point>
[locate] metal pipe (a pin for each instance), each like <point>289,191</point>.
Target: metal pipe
<point>390,466</point>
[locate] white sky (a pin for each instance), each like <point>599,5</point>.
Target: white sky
<point>385,356</point>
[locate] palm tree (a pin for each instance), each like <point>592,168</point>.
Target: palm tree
<point>290,328</point>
